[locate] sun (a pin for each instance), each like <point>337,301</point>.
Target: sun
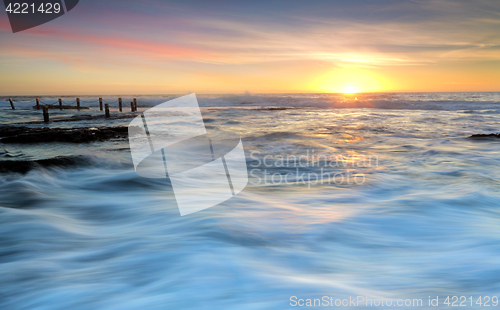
<point>349,89</point>
<point>348,81</point>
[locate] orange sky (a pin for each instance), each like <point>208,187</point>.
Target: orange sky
<point>162,47</point>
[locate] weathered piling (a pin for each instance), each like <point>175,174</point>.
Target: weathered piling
<point>131,106</point>
<point>11,104</point>
<point>120,104</point>
<point>38,103</point>
<point>106,110</point>
<point>60,104</point>
<point>100,104</point>
<point>78,103</point>
<point>45,113</point>
<point>135,105</point>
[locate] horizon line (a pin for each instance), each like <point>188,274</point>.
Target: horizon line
<point>248,94</point>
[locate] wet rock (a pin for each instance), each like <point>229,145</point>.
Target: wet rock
<point>23,166</point>
<point>486,136</point>
<point>270,109</point>
<point>22,134</point>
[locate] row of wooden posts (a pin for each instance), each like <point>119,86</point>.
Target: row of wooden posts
<point>133,107</point>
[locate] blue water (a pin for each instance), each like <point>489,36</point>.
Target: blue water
<point>425,220</point>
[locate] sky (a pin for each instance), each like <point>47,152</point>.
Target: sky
<point>114,47</point>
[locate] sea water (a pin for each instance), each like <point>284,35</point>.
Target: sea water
<point>386,198</point>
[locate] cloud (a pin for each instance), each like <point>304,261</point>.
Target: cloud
<point>221,40</point>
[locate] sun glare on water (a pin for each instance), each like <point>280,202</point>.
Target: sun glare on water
<point>349,89</point>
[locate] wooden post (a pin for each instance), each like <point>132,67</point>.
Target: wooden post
<point>135,105</point>
<point>38,103</point>
<point>45,114</point>
<point>78,103</point>
<point>106,110</point>
<point>120,104</point>
<point>100,104</point>
<point>60,104</point>
<point>11,104</point>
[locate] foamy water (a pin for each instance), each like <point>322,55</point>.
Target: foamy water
<point>423,222</point>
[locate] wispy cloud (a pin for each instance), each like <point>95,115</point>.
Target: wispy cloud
<point>196,36</point>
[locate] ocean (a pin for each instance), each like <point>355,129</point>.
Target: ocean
<point>379,196</point>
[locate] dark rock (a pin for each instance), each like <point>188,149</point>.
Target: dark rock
<point>270,109</point>
<point>484,136</point>
<point>24,134</point>
<point>23,166</point>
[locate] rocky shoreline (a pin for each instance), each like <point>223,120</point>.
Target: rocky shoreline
<point>22,134</point>
<point>23,166</point>
<point>486,136</point>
